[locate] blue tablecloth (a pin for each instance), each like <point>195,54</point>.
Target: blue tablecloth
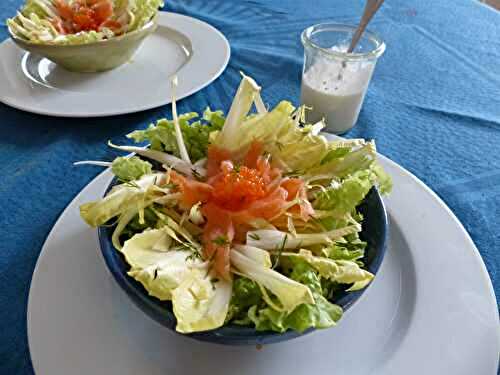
<point>433,107</point>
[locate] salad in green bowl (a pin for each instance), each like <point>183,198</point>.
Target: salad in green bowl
<point>246,219</point>
<point>75,22</point>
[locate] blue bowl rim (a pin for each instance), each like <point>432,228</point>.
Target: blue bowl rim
<point>230,334</point>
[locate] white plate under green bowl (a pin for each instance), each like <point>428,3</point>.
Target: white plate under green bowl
<point>431,309</point>
<point>192,49</point>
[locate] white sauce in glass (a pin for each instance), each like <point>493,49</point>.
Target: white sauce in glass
<point>337,101</point>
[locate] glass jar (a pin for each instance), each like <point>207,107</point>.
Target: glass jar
<point>334,82</point>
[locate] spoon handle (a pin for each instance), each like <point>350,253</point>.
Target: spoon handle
<point>371,7</point>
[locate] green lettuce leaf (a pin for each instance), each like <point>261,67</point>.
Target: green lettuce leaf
<point>321,314</point>
<point>289,293</point>
<point>341,199</point>
<point>215,119</point>
<point>338,252</point>
<point>296,149</point>
<point>132,168</point>
<point>164,158</point>
<point>135,225</point>
<point>356,160</point>
<point>246,293</point>
<point>384,181</point>
<point>340,271</point>
<point>137,194</point>
<point>161,136</point>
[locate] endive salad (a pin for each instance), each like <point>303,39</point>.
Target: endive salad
<point>247,219</point>
<point>80,21</point>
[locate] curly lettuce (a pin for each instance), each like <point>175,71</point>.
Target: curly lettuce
<point>247,307</point>
<point>129,169</point>
<point>161,136</point>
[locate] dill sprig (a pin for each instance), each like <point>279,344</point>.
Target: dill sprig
<point>280,251</point>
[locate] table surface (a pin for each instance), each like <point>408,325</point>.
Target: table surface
<point>433,106</point>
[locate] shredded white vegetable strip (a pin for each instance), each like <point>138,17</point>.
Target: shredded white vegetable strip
<point>259,104</point>
<point>125,218</point>
<point>164,158</point>
<point>178,133</point>
<point>93,162</point>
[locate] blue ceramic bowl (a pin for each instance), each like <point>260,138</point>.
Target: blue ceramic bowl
<point>375,229</point>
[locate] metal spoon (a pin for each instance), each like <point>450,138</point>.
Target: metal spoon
<point>371,7</point>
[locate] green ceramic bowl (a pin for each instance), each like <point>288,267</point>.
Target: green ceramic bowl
<point>91,57</point>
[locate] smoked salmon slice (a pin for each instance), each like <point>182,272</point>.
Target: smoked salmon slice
<point>192,191</point>
<point>217,237</point>
<point>85,15</point>
<point>235,193</point>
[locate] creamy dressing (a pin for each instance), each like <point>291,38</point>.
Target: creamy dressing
<point>336,100</point>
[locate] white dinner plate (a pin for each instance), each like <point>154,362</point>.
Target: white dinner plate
<point>431,308</point>
<point>192,49</point>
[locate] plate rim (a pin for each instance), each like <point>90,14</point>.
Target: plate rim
<point>453,217</point>
<point>162,21</point>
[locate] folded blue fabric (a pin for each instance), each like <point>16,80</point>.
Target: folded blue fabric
<point>433,107</point>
